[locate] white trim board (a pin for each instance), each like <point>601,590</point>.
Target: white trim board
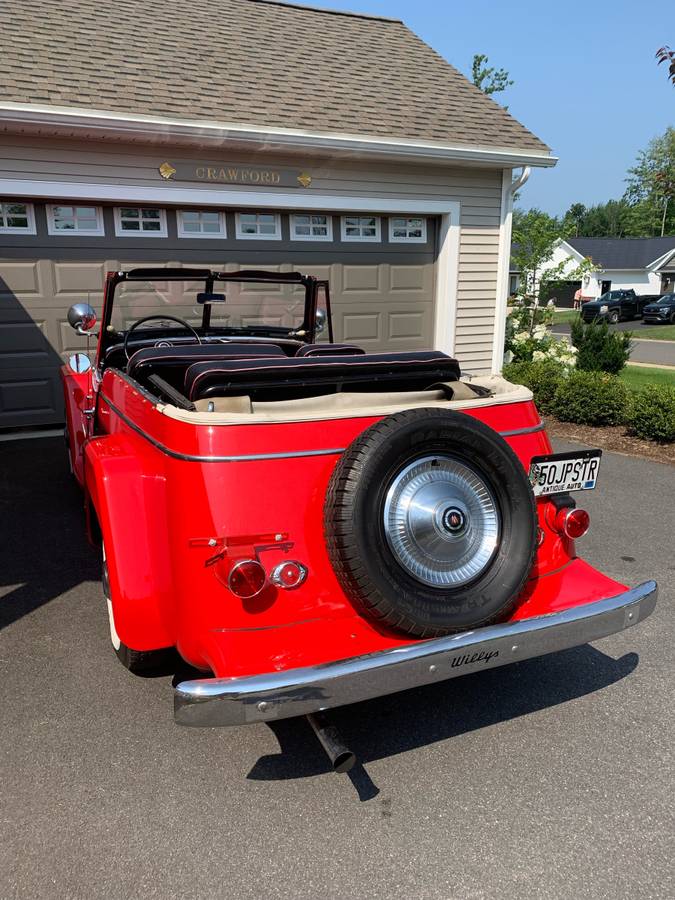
<point>503,271</point>
<point>203,131</point>
<point>136,193</point>
<point>447,271</point>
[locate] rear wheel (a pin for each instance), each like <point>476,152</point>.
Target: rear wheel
<point>140,662</point>
<point>430,523</point>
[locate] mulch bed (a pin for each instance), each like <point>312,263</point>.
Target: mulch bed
<point>612,438</point>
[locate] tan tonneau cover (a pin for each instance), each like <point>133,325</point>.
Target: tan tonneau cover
<point>344,405</point>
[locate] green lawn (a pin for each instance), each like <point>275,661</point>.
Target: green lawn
<point>637,377</point>
<point>564,316</point>
<point>656,333</point>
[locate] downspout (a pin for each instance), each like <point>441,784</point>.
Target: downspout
<point>522,178</point>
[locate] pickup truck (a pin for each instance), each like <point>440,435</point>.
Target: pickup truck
<point>613,306</point>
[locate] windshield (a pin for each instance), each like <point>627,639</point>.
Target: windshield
<point>243,305</point>
<point>667,299</point>
<point>610,295</point>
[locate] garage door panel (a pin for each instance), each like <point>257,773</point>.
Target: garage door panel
<point>20,278</point>
<point>361,279</point>
<point>78,278</point>
<point>30,396</point>
<point>411,279</point>
<point>360,327</point>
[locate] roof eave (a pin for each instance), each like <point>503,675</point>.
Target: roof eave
<point>92,124</point>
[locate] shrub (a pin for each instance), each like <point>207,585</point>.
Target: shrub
<point>591,398</point>
<point>541,377</point>
<point>598,349</point>
<point>528,337</point>
<point>651,413</point>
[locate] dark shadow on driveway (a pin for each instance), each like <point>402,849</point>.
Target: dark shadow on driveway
<point>44,550</point>
<point>401,722</point>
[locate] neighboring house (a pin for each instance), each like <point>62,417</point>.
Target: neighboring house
<point>255,134</point>
<point>647,265</point>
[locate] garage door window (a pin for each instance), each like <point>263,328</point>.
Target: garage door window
<point>311,228</point>
<point>360,228</point>
<point>259,226</point>
<point>201,224</point>
<point>136,221</point>
<point>411,230</point>
<point>17,218</point>
<point>75,220</point>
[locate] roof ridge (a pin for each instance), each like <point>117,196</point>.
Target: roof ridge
<point>654,237</point>
<point>328,11</point>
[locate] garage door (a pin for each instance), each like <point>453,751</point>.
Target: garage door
<point>382,293</point>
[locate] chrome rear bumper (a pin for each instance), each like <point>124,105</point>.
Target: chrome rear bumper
<point>295,692</point>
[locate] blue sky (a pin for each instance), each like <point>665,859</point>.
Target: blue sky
<point>586,80</point>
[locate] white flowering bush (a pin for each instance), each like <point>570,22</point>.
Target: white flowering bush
<point>528,338</point>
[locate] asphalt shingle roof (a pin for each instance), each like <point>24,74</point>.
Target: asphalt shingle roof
<point>623,253</point>
<point>246,62</point>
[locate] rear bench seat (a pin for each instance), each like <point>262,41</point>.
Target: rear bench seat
<point>415,370</point>
<point>171,362</point>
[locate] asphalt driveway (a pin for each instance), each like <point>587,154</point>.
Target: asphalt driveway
<point>549,778</point>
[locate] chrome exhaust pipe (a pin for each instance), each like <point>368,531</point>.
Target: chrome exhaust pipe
<point>341,757</point>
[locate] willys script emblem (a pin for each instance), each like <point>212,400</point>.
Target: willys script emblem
<point>305,179</point>
<point>166,170</point>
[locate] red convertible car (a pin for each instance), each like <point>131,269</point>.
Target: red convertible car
<point>310,524</point>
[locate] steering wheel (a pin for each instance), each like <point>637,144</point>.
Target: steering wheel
<point>138,322</point>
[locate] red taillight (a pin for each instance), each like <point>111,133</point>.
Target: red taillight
<point>288,575</point>
<point>247,578</point>
<point>573,523</point>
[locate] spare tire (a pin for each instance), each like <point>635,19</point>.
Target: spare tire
<point>430,523</point>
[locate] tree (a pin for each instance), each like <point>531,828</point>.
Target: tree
<point>651,185</point>
<point>535,239</point>
<point>667,56</point>
<point>575,214</point>
<point>488,79</point>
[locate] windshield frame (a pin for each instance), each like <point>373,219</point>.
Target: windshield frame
<point>209,278</point>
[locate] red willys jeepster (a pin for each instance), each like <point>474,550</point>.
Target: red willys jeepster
<point>309,524</point>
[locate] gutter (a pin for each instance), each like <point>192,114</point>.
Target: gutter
<point>69,122</point>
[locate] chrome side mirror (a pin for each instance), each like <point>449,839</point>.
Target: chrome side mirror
<point>79,362</point>
<point>320,321</point>
<point>82,317</point>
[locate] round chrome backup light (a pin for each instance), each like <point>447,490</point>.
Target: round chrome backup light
<point>573,523</point>
<point>441,521</point>
<point>288,575</point>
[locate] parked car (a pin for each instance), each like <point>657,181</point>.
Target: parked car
<point>613,306</point>
<point>310,524</point>
<point>662,311</point>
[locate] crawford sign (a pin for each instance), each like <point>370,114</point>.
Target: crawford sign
<point>215,173</point>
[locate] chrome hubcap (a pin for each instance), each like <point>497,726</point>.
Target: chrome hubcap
<point>441,521</point>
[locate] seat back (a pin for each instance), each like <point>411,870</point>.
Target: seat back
<point>171,363</point>
<point>330,350</point>
<point>297,376</point>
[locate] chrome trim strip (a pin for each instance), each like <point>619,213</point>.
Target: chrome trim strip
<point>295,692</point>
<point>257,457</point>
<point>532,429</point>
<point>188,457</point>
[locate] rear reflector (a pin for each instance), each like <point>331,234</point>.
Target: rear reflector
<point>573,523</point>
<point>288,575</point>
<point>247,578</point>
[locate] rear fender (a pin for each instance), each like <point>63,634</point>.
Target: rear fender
<point>128,494</point>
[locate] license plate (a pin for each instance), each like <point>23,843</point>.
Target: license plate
<point>559,473</point>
